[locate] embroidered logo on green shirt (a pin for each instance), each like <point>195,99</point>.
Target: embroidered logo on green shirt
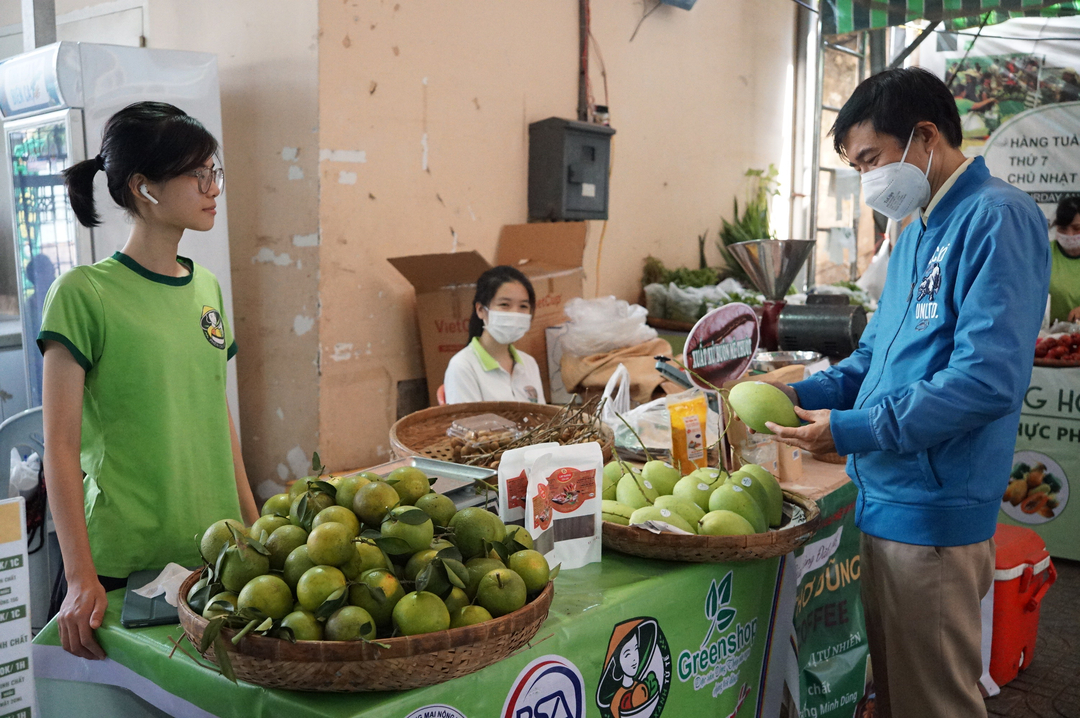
<point>212,327</point>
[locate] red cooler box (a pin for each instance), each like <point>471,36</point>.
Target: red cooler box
<point>1022,574</point>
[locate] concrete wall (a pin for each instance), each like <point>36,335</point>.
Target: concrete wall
<point>432,101</point>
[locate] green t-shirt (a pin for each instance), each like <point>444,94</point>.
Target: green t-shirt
<point>1064,284</point>
<point>156,447</point>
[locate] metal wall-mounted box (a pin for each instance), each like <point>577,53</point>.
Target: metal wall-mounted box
<point>568,170</point>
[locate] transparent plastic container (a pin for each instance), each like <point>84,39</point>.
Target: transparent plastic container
<point>483,427</point>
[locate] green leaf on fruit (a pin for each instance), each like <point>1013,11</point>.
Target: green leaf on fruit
<point>322,487</point>
<point>413,517</point>
<point>333,602</point>
<point>450,552</point>
<point>224,663</point>
<point>393,545</point>
<point>212,631</point>
<point>456,573</point>
<point>316,463</point>
<point>424,577</point>
<point>498,548</point>
<point>554,572</point>
<point>431,480</point>
<point>265,625</point>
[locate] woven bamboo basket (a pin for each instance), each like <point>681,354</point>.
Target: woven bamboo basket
<point>355,666</point>
<point>716,549</point>
<point>423,433</point>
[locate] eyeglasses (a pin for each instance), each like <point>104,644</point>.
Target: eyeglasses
<point>206,176</point>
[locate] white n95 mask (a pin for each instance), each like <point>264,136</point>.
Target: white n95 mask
<point>507,327</point>
<point>897,189</point>
<point>1068,242</point>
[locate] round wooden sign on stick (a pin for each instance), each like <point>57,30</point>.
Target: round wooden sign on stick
<point>722,344</point>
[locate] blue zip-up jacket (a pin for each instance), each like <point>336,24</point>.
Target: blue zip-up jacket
<point>928,407</point>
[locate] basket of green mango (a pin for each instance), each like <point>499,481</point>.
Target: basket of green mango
<point>706,516</point>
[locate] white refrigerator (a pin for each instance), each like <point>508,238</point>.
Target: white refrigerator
<point>55,101</point>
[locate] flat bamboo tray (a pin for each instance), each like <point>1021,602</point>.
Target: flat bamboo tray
<point>717,549</point>
<point>423,433</point>
<point>355,666</point>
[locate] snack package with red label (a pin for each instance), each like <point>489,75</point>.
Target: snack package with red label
<point>513,481</point>
<point>562,503</point>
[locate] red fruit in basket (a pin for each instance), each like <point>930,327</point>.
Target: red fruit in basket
<point>1040,351</point>
<point>1056,353</point>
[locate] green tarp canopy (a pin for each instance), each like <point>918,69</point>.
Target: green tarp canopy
<point>843,16</point>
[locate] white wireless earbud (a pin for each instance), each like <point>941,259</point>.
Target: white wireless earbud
<point>145,193</point>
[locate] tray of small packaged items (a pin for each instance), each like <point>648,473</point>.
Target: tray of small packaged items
<point>365,582</point>
<point>705,516</point>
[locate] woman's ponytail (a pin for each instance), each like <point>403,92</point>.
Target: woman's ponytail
<point>79,180</point>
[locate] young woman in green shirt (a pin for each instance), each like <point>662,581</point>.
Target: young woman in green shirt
<point>1065,267</point>
<point>140,449</point>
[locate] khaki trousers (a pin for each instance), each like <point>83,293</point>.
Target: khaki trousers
<point>923,621</point>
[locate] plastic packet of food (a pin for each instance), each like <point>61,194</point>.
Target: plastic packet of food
<point>562,503</point>
<point>688,411</point>
<point>514,482</point>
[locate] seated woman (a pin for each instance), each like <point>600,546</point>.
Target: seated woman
<point>490,368</point>
<point>1065,254</point>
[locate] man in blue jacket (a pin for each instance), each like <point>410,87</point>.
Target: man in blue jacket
<point>928,407</point>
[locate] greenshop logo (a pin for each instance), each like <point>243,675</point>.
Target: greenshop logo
<point>726,646</point>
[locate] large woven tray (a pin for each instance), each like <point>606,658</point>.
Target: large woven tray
<point>423,433</point>
<point>355,666</point>
<point>716,549</point>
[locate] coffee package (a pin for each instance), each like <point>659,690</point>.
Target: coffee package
<point>563,503</point>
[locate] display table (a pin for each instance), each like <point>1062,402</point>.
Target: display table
<point>693,656</point>
<point>671,613</point>
<point>1049,434</point>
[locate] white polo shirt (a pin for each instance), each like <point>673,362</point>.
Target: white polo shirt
<point>474,375</point>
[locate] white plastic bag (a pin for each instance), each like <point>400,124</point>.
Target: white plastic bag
<point>872,280</point>
<point>604,324</point>
<point>652,422</point>
<point>616,397</point>
<point>24,473</point>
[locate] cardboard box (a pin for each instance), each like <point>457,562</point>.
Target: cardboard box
<point>549,254</point>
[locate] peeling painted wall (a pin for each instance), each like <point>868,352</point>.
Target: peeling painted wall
<point>424,111</point>
<point>267,60</point>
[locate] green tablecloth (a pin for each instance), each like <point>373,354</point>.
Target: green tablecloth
<point>695,638</point>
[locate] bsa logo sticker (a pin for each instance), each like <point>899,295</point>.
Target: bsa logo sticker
<point>637,671</point>
<point>549,687</point>
<point>439,711</point>
<point>212,327</point>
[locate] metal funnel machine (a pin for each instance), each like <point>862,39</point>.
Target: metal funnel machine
<point>772,265</point>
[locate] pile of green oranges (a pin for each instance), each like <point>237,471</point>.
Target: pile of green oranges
<point>363,557</point>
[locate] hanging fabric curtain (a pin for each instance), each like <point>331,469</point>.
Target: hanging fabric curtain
<point>843,16</point>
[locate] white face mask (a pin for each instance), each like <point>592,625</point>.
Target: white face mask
<point>507,327</point>
<point>1068,242</point>
<point>897,189</point>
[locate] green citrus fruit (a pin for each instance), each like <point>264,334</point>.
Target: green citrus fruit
<point>373,501</point>
<point>420,612</point>
<point>532,567</point>
<point>239,567</point>
<point>520,534</point>
<point>269,594</point>
<point>316,585</point>
<point>296,563</point>
<point>282,542</point>
<point>338,514</point>
<point>330,544</point>
<point>418,536</point>
<point>478,568</point>
<point>410,483</point>
<point>316,503</point>
<point>269,524</point>
<point>278,505</point>
<point>347,488</point>
<point>456,599</point>
<point>437,584</point>
<point>501,591</point>
<point>362,594</point>
<point>368,556</point>
<point>440,508</point>
<point>474,525</point>
<point>469,616</point>
<point>350,623</point>
<point>300,485</point>
<point>215,606</point>
<point>304,625</point>
<point>216,536</point>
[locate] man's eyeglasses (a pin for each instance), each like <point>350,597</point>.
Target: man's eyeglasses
<point>206,176</point>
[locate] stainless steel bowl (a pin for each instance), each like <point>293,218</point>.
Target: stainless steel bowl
<point>769,361</point>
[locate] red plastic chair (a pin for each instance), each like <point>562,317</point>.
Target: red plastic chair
<point>440,394</point>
